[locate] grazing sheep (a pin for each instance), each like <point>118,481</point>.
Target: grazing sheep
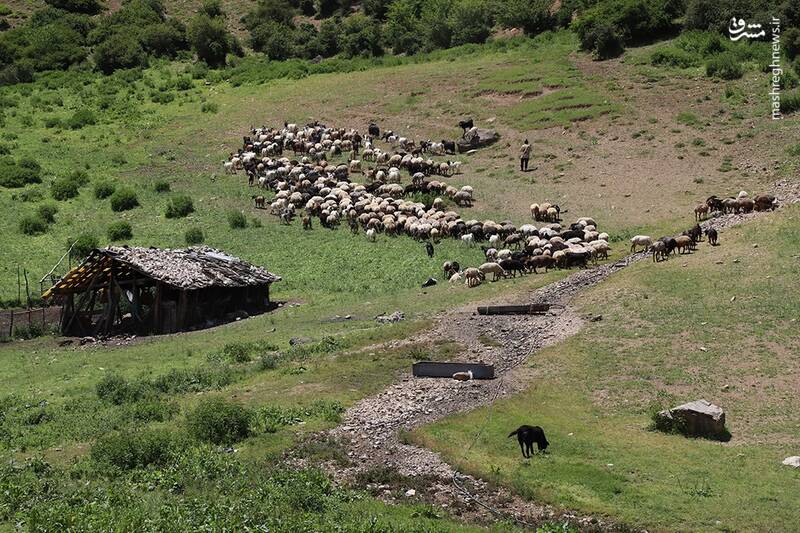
<point>455,278</point>
<point>307,222</point>
<point>371,235</point>
<point>540,261</point>
<point>764,202</point>
<point>659,250</point>
<point>260,202</point>
<point>468,239</point>
<point>492,268</point>
<point>711,233</point>
<point>640,240</point>
<point>473,277</point>
<point>684,243</point>
<point>701,212</point>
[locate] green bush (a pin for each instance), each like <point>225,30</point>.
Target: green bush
<point>209,107</point>
<point>32,225</point>
<point>83,246</point>
<point>724,66</point>
<point>20,173</point>
<point>47,212</point>
<point>194,236</point>
<point>129,450</point>
<point>165,39</point>
<point>533,16</point>
<point>199,70</point>
<point>64,188</point>
<point>184,83</point>
<point>116,390</point>
<point>103,189</point>
<point>790,102</point>
<point>219,421</point>
<point>179,206</point>
<point>81,118</point>
<point>672,57</point>
<point>236,220</point>
<point>791,43</point>
<point>28,331</point>
<point>161,186</point>
<point>124,199</point>
<point>120,51</point>
<point>210,39</point>
<point>119,231</point>
<point>88,7</point>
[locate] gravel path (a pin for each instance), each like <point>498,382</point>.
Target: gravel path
<point>371,427</point>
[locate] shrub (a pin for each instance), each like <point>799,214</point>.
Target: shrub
<point>199,70</point>
<point>119,231</point>
<point>209,107</point>
<point>28,331</point>
<point>18,174</point>
<point>83,246</point>
<point>790,102</point>
<point>115,389</point>
<point>219,421</point>
<point>533,16</point>
<point>210,39</point>
<point>165,39</point>
<point>119,51</point>
<point>724,66</point>
<point>81,118</point>
<point>184,83</point>
<point>672,57</point>
<point>194,236</point>
<point>32,225</point>
<point>179,206</point>
<point>88,7</point>
<point>237,220</point>
<point>124,199</point>
<point>791,42</point>
<point>47,212</point>
<point>128,450</point>
<point>161,186</point>
<point>64,188</point>
<point>103,189</point>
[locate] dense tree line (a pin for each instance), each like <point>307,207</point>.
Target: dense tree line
<point>68,33</point>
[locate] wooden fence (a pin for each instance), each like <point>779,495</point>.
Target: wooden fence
<point>43,317</point>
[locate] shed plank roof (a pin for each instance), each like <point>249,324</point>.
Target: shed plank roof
<point>192,268</point>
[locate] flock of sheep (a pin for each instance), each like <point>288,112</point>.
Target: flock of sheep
<point>525,249</point>
<point>687,241</point>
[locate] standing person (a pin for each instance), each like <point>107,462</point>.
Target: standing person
<point>524,156</point>
<point>356,144</point>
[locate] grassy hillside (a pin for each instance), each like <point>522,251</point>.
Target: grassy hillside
<point>669,334</point>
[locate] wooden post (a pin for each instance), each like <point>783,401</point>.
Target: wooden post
<point>27,290</point>
<point>11,327</point>
<point>157,309</point>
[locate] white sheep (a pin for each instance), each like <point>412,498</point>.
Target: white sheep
<point>473,277</point>
<point>371,236</point>
<point>641,240</point>
<point>494,268</point>
<point>468,239</point>
<point>455,278</point>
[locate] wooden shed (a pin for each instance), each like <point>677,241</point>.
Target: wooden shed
<point>152,290</point>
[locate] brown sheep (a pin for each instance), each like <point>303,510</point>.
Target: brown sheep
<point>260,201</point>
<point>684,243</point>
<point>701,212</point>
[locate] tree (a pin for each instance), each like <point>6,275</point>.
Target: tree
<point>273,39</point>
<point>164,39</point>
<point>470,21</point>
<point>533,16</point>
<point>89,7</point>
<point>434,25</point>
<point>121,50</point>
<point>270,10</point>
<point>328,37</point>
<point>401,31</point>
<point>210,39</point>
<point>361,36</point>
<point>376,8</point>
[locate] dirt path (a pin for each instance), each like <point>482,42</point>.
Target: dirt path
<point>371,428</point>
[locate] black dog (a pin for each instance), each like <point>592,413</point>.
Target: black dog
<point>429,249</point>
<point>527,435</point>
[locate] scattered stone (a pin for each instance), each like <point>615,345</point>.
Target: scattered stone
<point>733,298</point>
<point>296,341</point>
<point>755,246</point>
<point>397,316</point>
<point>410,493</point>
<point>703,349</point>
<point>596,318</point>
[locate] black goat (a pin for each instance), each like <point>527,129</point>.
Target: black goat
<point>467,124</point>
<point>374,130</point>
<point>527,435</point>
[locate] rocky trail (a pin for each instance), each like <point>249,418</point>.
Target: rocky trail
<point>372,427</point>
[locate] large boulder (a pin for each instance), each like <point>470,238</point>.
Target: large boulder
<point>695,419</point>
<point>477,138</point>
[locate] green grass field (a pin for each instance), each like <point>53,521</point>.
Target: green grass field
<point>151,127</point>
<point>666,337</point>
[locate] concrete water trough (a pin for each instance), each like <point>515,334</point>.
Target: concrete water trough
<point>434,369</point>
<point>526,309</point>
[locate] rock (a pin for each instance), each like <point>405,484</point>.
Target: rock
<point>793,461</point>
<point>477,138</point>
<point>410,493</point>
<point>296,341</point>
<point>696,419</point>
<point>397,316</point>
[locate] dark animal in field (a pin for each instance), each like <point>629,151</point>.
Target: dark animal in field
<point>527,435</point>
<point>696,233</point>
<point>670,245</point>
<point>259,201</point>
<point>540,261</point>
<point>449,146</point>
<point>579,259</point>
<point>429,249</point>
<point>374,130</point>
<point>467,124</point>
<point>512,266</point>
<point>307,222</point>
<point>571,234</point>
<point>430,283</point>
<point>711,233</point>
<point>450,268</point>
<point>714,203</point>
<point>764,202</point>
<point>659,249</point>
